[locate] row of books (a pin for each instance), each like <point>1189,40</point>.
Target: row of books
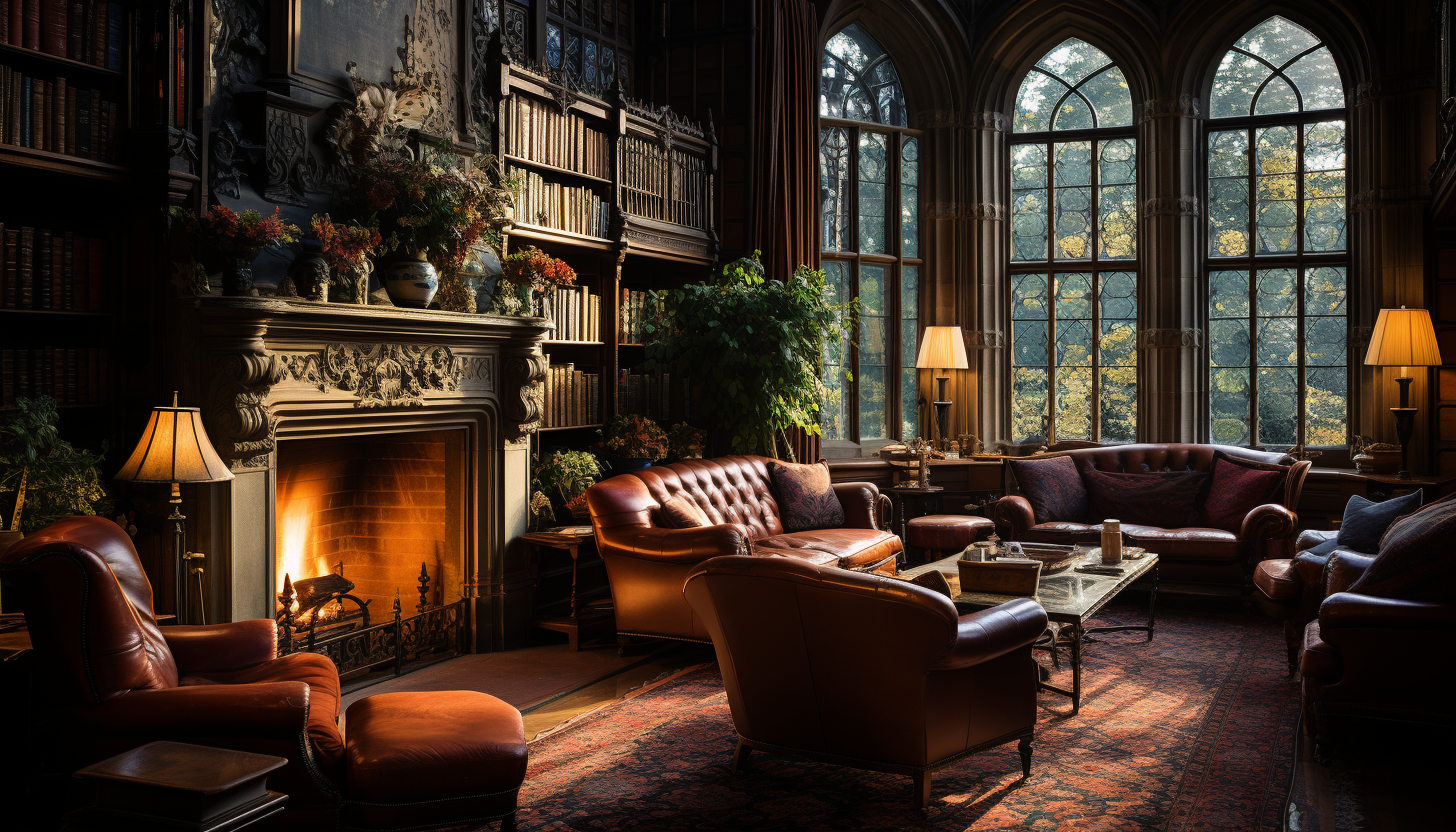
<point>88,31</point>
<point>652,395</point>
<point>539,132</point>
<point>576,312</point>
<point>570,208</point>
<point>55,116</point>
<point>56,270</point>
<point>638,310</point>
<point>573,397</point>
<point>68,375</point>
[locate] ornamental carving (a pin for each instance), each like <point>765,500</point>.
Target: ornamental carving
<point>1171,206</point>
<point>1168,339</point>
<point>524,393</point>
<point>381,375</point>
<point>984,339</point>
<point>237,58</point>
<point>286,151</point>
<point>241,425</point>
<point>1184,106</point>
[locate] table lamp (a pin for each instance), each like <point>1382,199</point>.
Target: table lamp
<point>942,348</point>
<point>174,449</point>
<point>1403,338</point>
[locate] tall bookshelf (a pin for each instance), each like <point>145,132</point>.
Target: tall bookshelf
<point>623,192</point>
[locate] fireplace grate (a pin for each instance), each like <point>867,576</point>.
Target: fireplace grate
<point>436,632</point>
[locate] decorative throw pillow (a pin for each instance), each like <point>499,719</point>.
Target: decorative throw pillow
<point>1417,558</point>
<point>681,512</point>
<point>806,499</point>
<point>1053,487</point>
<point>1236,487</point>
<point>1166,499</point>
<point>1366,521</point>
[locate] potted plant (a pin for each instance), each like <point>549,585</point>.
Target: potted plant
<point>346,249</point>
<point>567,475</point>
<point>526,277</point>
<point>235,240</point>
<point>49,478</point>
<point>632,442</point>
<point>754,350</point>
<point>686,441</point>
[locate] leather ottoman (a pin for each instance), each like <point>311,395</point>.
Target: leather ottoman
<point>947,533</point>
<point>430,759</point>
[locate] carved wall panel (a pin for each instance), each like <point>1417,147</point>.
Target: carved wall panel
<point>286,155</point>
<point>381,375</point>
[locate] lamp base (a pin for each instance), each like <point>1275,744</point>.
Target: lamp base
<point>942,421</point>
<point>1405,425</point>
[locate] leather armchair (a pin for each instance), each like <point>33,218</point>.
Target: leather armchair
<point>863,670</point>
<point>647,561</point>
<point>117,680</point>
<point>1367,660</point>
<point>1292,589</point>
<point>1188,555</point>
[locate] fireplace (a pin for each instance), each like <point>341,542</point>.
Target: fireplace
<point>376,517</point>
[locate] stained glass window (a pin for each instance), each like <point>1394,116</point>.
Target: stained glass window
<point>869,236</point>
<point>1277,313</point>
<point>1074,230</point>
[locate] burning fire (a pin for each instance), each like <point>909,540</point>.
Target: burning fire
<point>295,526</point>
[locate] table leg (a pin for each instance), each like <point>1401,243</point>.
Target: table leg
<point>903,558</point>
<point>1076,667</point>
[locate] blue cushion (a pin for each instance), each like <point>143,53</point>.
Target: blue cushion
<point>1324,548</point>
<point>1366,521</point>
<point>1417,559</point>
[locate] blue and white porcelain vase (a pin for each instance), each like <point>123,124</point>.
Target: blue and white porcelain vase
<point>410,280</point>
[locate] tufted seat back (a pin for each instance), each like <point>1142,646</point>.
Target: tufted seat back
<point>1137,459</point>
<point>730,489</point>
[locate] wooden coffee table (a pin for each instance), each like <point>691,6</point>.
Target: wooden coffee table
<point>1071,599</point>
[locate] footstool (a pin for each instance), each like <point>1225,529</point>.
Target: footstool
<point>935,534</point>
<point>429,759</point>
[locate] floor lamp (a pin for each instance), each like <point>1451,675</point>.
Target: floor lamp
<point>1403,338</point>
<point>942,348</point>
<point>174,449</point>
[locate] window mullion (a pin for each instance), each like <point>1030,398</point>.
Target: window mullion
<point>1051,283</point>
<point>1253,293</point>
<point>1299,372</point>
<point>1095,336</point>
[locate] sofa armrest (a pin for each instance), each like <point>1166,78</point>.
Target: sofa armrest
<point>885,512</point>
<point>265,708</point>
<point>1013,516</point>
<point>1343,569</point>
<point>674,545</point>
<point>1310,538</point>
<point>861,504</point>
<point>222,647</point>
<point>985,635</point>
<point>1270,521</point>
<point>1351,610</point>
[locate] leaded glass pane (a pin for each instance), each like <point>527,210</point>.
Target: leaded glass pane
<point>1074,60</point>
<point>1324,186</point>
<point>872,172</point>
<point>1110,98</point>
<point>1028,202</point>
<point>1277,40</point>
<point>553,44</point>
<point>573,54</point>
<point>1228,401</point>
<point>609,66</point>
<point>589,68</point>
<point>1073,114</point>
<point>909,345</point>
<point>836,355</point>
<point>1326,404</point>
<point>1276,97</point>
<point>1276,210</point>
<point>834,189</point>
<point>1029,404</point>
<point>1318,80</point>
<point>1235,84</point>
<point>1278,392</point>
<point>1073,218</point>
<point>1117,209</point>
<point>1228,193</point>
<point>910,198</point>
<point>873,357</point>
<point>1037,98</point>
<point>1117,356</point>
<point>858,81</point>
<point>1074,300</point>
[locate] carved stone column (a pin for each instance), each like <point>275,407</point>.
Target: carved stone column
<point>985,305</point>
<point>1171,352</point>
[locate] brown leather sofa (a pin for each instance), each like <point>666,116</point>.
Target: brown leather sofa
<point>1375,661</point>
<point>647,561</point>
<point>1186,555</point>
<point>863,670</point>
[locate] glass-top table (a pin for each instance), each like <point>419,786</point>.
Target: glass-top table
<point>1070,598</point>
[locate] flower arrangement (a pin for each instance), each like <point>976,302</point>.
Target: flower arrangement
<point>346,249</point>
<point>687,442</point>
<point>238,236</point>
<point>526,276</point>
<point>568,473</point>
<point>577,506</point>
<point>444,207</point>
<point>633,437</point>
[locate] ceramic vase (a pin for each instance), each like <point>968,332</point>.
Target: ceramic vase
<point>410,280</point>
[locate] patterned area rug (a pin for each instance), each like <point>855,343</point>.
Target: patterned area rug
<point>1193,731</point>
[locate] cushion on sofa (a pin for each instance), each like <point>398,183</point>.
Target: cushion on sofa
<point>1238,486</point>
<point>1164,498</point>
<point>805,496</point>
<point>1366,521</point>
<point>1417,559</point>
<point>853,547</point>
<point>681,512</point>
<point>1053,487</point>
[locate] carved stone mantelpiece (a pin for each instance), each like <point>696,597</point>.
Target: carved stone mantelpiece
<point>381,375</point>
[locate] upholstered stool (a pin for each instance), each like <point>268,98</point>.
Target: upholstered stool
<point>430,759</point>
<point>947,533</point>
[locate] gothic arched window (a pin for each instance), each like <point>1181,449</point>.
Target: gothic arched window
<point>1277,313</point>
<point>1074,267</point>
<point>869,238</point>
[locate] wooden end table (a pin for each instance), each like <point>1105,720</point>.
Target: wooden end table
<point>583,620</point>
<point>926,501</point>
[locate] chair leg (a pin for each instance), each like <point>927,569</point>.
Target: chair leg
<point>508,823</point>
<point>922,789</point>
<point>740,756</point>
<point>1025,748</point>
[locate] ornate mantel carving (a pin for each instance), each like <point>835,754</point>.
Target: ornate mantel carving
<point>381,375</point>
<point>523,376</point>
<point>241,423</point>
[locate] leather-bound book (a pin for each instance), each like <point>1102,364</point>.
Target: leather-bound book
<point>75,27</point>
<point>27,267</point>
<point>70,121</point>
<point>58,118</point>
<point>96,267</point>
<point>83,123</point>
<point>68,273</point>
<point>113,38</point>
<point>4,21</point>
<point>58,277</point>
<point>98,35</point>
<point>12,267</point>
<point>81,257</point>
<point>95,124</point>
<point>30,33</point>
<point>53,27</point>
<point>43,269</point>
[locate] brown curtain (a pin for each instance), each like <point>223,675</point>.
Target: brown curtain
<point>786,102</point>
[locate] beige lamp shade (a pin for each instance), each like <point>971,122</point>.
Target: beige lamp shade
<point>1403,338</point>
<point>174,448</point>
<point>942,348</point>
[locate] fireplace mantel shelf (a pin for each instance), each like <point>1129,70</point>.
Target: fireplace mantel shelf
<point>293,314</point>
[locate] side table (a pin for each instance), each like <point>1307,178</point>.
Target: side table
<point>924,500</point>
<point>579,618</point>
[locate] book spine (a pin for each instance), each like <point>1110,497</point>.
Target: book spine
<point>12,268</point>
<point>30,36</point>
<point>4,21</point>
<point>43,269</point>
<point>70,121</point>
<point>82,257</point>
<point>113,45</point>
<point>68,273</point>
<point>75,23</point>
<point>83,123</point>
<point>88,28</point>
<point>30,107</point>
<point>58,118</point>
<point>58,277</point>
<point>98,35</point>
<point>53,27</point>
<point>4,98</point>
<point>97,266</point>
<point>27,267</point>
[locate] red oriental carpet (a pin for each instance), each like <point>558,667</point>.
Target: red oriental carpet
<point>1193,731</point>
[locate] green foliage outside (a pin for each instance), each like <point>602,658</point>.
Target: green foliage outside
<point>50,478</point>
<point>752,348</point>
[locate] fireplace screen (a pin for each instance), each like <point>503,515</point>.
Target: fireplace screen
<point>365,520</point>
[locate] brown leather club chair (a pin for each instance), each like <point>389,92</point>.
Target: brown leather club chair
<point>866,671</point>
<point>117,680</point>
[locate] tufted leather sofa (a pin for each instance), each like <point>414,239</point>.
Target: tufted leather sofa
<point>647,561</point>
<point>1186,555</point>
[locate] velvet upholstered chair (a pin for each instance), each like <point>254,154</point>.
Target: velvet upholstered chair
<point>863,670</point>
